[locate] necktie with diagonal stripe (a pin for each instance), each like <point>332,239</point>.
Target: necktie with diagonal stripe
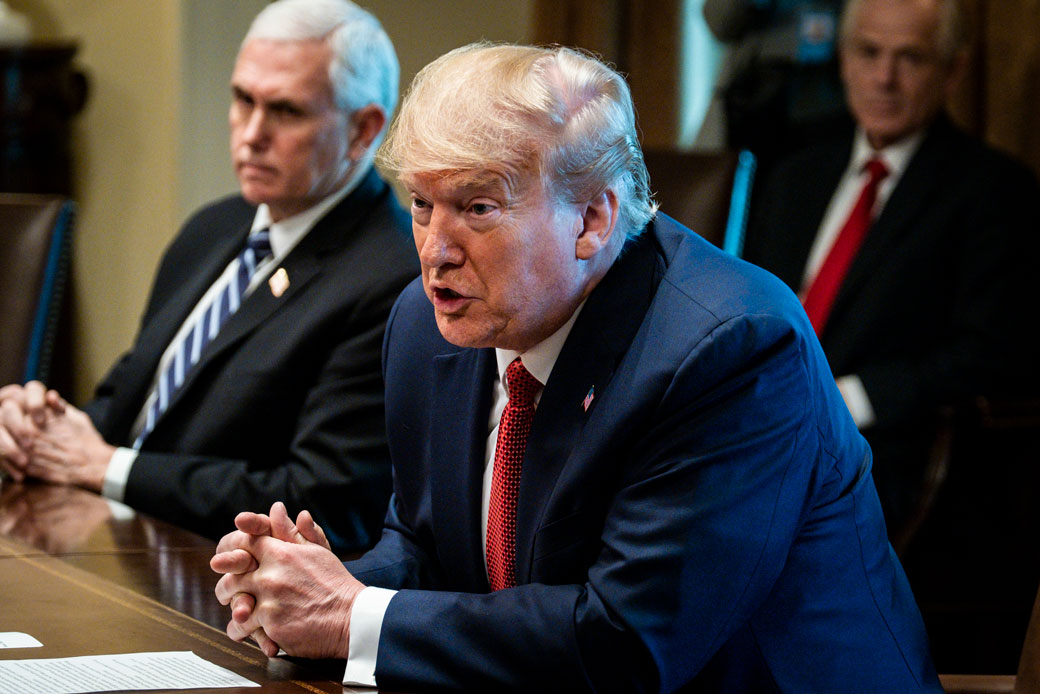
<point>205,329</point>
<point>513,430</point>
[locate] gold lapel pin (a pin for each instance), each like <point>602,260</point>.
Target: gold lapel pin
<point>279,282</point>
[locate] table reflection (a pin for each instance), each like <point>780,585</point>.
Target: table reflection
<point>51,518</point>
<point>109,539</point>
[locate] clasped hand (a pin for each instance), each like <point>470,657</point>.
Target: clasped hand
<point>285,587</point>
<point>43,436</point>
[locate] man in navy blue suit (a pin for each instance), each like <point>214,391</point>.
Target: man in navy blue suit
<point>692,508</point>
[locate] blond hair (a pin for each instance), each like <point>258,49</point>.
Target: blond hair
<point>554,112</point>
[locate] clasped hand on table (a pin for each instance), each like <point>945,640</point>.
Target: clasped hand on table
<point>285,587</point>
<point>44,437</point>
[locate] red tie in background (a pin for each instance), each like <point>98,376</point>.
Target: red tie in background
<point>505,481</point>
<point>824,288</point>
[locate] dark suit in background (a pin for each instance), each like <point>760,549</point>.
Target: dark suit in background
<point>286,403</point>
<point>706,523</point>
<point>934,310</point>
<point>924,315</point>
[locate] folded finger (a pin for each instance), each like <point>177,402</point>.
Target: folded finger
<point>269,647</point>
<point>36,401</point>
<point>310,530</point>
<point>12,457</point>
<point>282,526</point>
<point>14,420</point>
<point>56,402</point>
<point>242,605</point>
<point>242,629</point>
<point>253,523</point>
<point>12,391</point>
<point>231,585</point>
<point>239,633</point>
<point>236,539</point>
<point>236,561</point>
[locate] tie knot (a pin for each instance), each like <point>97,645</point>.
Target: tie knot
<point>522,386</point>
<point>260,244</point>
<point>876,168</point>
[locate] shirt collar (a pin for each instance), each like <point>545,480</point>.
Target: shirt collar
<point>896,157</point>
<point>540,359</point>
<point>288,232</point>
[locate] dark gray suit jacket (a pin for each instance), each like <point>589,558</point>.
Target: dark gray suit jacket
<point>931,307</point>
<point>287,402</point>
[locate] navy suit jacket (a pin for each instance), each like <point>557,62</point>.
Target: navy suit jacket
<point>287,402</point>
<point>708,524</point>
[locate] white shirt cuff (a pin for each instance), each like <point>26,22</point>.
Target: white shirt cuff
<point>117,473</point>
<point>366,621</point>
<point>855,396</point>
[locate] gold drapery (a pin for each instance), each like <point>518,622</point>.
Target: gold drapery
<point>640,38</point>
<point>999,99</point>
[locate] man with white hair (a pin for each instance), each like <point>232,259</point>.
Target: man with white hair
<point>903,235</point>
<point>620,463</point>
<point>255,374</point>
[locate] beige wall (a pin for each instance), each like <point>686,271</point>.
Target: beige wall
<point>151,143</point>
<point>125,162</point>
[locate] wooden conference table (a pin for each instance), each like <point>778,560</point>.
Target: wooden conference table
<point>88,577</point>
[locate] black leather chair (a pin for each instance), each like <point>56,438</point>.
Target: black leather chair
<point>35,244</point>
<point>708,192</point>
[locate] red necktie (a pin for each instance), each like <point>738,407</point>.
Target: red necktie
<point>505,481</point>
<point>824,288</point>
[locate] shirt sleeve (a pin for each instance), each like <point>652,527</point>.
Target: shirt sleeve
<point>366,621</point>
<point>118,471</point>
<point>856,399</point>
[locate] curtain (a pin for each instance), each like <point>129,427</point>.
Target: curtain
<point>999,99</point>
<point>641,39</point>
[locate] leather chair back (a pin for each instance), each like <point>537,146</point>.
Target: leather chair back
<point>708,192</point>
<point>35,235</point>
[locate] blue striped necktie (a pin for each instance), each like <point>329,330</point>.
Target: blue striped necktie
<point>205,329</point>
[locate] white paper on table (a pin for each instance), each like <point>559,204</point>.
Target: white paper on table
<point>16,639</point>
<point>103,673</point>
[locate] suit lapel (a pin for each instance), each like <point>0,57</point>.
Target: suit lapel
<point>805,191</point>
<point>301,267</point>
<point>162,326</point>
<point>165,324</point>
<point>303,264</point>
<point>806,226</point>
<point>597,342</point>
<point>462,387</point>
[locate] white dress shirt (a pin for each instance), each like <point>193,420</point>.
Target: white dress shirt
<point>896,158</point>
<point>366,619</point>
<point>285,235</point>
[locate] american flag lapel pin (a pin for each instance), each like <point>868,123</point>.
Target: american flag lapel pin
<point>588,398</point>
